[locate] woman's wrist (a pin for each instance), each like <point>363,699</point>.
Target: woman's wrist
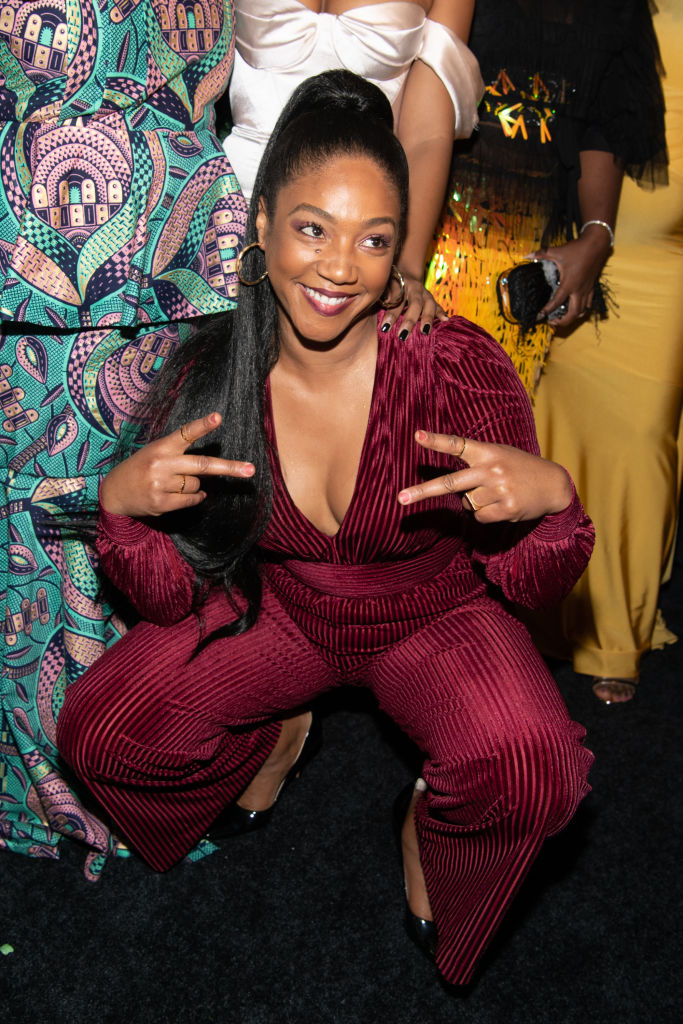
<point>600,225</point>
<point>563,491</point>
<point>595,237</point>
<point>104,498</point>
<point>107,496</point>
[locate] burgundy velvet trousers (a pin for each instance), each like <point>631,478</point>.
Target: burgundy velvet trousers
<point>165,741</point>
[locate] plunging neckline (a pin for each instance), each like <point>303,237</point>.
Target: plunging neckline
<point>278,476</point>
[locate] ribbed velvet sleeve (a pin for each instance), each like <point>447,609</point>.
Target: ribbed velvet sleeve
<point>534,564</point>
<point>145,566</point>
<point>545,559</point>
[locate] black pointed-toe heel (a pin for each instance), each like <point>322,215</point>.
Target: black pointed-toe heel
<point>236,820</point>
<point>423,932</point>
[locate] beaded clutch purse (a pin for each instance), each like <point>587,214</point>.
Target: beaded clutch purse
<point>524,289</point>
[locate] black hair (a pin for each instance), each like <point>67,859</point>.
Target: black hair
<point>224,366</point>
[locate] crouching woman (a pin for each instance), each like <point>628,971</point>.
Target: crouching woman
<point>325,504</point>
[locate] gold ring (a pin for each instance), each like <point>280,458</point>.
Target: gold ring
<point>460,453</point>
<point>183,434</point>
<point>182,486</point>
<point>473,504</point>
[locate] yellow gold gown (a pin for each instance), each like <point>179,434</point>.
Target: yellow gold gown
<point>608,407</point>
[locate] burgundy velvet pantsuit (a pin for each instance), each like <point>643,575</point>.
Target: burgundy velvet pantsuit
<point>399,600</point>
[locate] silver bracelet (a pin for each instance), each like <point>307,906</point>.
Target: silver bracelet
<point>603,224</point>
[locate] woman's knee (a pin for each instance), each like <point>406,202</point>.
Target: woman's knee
<point>564,763</point>
<point>104,704</point>
<point>538,777</point>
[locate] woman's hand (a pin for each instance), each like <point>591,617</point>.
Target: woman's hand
<point>419,304</point>
<point>580,263</point>
<point>161,478</point>
<point>501,484</point>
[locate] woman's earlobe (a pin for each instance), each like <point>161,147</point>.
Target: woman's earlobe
<point>261,222</point>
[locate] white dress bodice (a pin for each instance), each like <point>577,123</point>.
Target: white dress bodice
<point>277,50</point>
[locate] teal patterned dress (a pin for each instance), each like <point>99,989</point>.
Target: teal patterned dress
<point>120,220</point>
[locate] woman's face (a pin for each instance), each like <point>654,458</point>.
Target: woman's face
<point>329,246</point>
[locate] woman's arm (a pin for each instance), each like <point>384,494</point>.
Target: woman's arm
<point>625,134</point>
<point>530,533</point>
<point>538,564</point>
<point>527,529</point>
<point>159,478</point>
<point>426,130</point>
<point>581,260</point>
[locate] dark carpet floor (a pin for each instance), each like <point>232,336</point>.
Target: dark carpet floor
<point>303,921</point>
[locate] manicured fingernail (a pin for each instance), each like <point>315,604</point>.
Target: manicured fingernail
<point>421,435</point>
<point>404,497</point>
<point>247,470</point>
<point>426,329</point>
<point>403,335</point>
<point>386,327</point>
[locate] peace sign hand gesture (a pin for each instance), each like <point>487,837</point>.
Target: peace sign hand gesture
<point>500,484</point>
<point>161,478</point>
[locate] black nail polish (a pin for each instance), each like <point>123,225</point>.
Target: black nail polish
<point>426,329</point>
<point>403,335</point>
<point>385,328</point>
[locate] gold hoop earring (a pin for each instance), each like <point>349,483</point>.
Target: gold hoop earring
<point>238,267</point>
<point>397,276</point>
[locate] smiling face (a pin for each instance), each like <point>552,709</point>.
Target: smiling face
<point>329,247</point>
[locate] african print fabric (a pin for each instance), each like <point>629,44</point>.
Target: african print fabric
<point>119,217</point>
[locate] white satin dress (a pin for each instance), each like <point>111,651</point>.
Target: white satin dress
<point>277,50</point>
